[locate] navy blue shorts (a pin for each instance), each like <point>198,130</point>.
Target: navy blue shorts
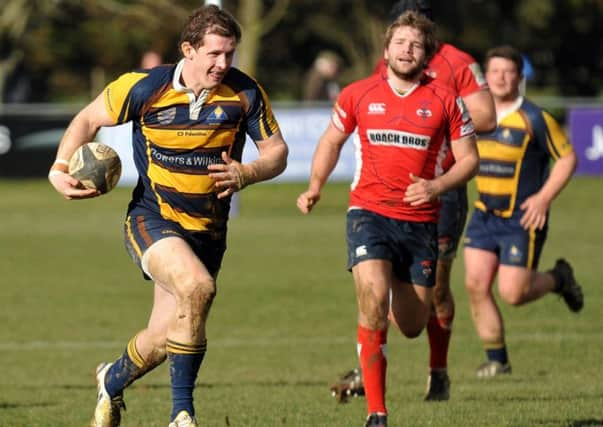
<point>453,215</point>
<point>143,228</point>
<point>506,238</point>
<point>410,246</point>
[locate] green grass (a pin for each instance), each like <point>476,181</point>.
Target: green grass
<point>282,326</point>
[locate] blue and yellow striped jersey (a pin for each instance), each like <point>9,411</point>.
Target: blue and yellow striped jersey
<point>177,135</point>
<point>515,157</point>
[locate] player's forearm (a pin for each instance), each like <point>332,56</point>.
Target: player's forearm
<point>78,133</point>
<point>324,161</point>
<point>272,162</point>
<point>561,173</point>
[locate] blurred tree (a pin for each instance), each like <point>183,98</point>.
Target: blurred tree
<point>256,23</point>
<point>15,16</point>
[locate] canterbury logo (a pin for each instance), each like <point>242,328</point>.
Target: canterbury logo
<point>376,108</point>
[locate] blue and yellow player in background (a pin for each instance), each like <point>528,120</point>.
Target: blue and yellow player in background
<point>508,228</point>
<point>190,121</point>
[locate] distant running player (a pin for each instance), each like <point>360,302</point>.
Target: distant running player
<point>508,228</point>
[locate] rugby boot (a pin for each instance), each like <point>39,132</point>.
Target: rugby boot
<point>349,385</point>
<point>438,386</point>
<point>183,419</point>
<point>492,368</point>
<point>108,409</point>
<point>376,420</point>
<point>568,288</point>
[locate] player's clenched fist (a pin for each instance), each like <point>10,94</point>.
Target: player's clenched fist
<point>307,200</point>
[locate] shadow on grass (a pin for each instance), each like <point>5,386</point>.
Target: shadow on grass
<point>585,423</point>
<point>589,422</point>
<point>7,405</point>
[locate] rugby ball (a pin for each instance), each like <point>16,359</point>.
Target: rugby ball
<point>96,166</point>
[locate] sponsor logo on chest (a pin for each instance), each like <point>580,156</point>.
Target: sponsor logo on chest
<point>398,138</point>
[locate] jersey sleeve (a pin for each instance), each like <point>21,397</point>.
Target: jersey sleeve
<point>460,124</point>
<point>121,100</point>
<point>552,137</point>
<point>470,79</point>
<point>261,123</point>
<point>342,116</point>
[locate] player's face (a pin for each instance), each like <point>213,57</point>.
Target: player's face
<point>211,61</point>
<point>503,78</point>
<point>405,54</point>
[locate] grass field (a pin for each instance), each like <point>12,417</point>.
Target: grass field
<point>283,324</point>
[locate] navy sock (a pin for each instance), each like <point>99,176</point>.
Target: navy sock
<point>185,361</point>
<point>498,354</point>
<point>125,370</point>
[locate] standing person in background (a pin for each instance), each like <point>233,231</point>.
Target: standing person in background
<point>321,81</point>
<point>150,59</point>
<point>508,228</point>
<point>406,123</point>
<point>459,71</point>
<point>189,126</point>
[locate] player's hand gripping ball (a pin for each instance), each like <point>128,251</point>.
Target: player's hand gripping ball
<point>96,166</point>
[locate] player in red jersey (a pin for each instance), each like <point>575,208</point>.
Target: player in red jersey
<point>406,122</point>
<point>461,72</point>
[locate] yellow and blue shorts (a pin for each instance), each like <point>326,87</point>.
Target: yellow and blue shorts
<point>506,238</point>
<point>143,228</point>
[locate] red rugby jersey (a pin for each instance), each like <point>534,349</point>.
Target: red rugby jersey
<point>399,135</point>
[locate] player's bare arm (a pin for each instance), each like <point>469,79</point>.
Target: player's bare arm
<point>481,109</point>
<point>324,161</point>
<point>233,176</point>
<point>465,167</point>
<point>81,130</point>
<point>536,206</point>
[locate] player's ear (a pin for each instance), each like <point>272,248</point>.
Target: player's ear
<point>187,50</point>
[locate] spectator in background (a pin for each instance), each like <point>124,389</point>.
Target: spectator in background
<point>150,59</point>
<point>321,80</point>
<point>17,87</point>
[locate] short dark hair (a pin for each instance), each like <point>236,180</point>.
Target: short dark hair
<point>418,21</point>
<point>421,6</point>
<point>209,20</point>
<point>507,52</point>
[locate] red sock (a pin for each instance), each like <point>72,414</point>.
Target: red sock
<point>439,330</point>
<point>371,351</point>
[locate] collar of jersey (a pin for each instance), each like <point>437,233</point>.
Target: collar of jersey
<point>508,111</point>
<point>196,103</point>
<point>406,93</point>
